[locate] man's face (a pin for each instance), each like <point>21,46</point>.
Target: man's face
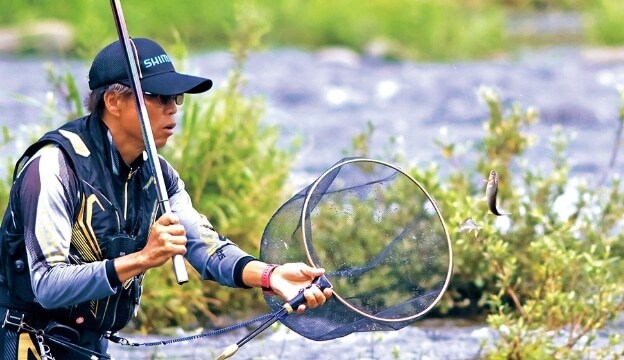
<point>161,111</point>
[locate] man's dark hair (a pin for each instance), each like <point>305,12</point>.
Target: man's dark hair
<point>94,102</point>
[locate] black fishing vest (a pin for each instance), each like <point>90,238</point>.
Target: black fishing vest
<point>113,217</point>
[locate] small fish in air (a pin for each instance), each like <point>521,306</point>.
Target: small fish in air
<point>469,225</point>
<point>490,193</point>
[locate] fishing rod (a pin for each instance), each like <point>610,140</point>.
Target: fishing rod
<point>132,67</point>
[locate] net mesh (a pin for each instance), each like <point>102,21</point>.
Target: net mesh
<point>381,240</point>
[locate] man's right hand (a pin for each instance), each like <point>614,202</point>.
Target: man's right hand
<point>167,238</point>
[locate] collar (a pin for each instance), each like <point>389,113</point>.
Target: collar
<point>117,164</point>
<point>110,154</point>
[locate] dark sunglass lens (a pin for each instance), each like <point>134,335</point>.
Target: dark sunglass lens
<point>166,99</point>
<point>179,99</point>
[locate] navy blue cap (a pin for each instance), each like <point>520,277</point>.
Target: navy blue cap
<point>158,76</point>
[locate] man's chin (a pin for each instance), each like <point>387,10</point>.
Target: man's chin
<point>161,142</point>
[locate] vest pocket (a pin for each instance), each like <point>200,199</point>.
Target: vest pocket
<point>118,245</point>
<point>15,272</point>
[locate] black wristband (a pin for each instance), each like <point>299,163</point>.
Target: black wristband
<point>111,274</point>
<point>238,271</point>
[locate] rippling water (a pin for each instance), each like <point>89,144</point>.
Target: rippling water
<point>425,340</point>
<point>431,340</point>
<point>328,97</point>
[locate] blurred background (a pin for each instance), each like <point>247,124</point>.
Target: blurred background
<point>408,29</point>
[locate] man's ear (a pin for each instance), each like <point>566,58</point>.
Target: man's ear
<point>112,103</point>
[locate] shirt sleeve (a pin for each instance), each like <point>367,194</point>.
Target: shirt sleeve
<point>47,196</point>
<point>213,255</point>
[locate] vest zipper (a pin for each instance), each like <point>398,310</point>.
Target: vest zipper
<point>125,214</point>
<point>130,174</point>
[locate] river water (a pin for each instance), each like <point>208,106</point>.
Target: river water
<point>327,97</point>
<point>425,340</point>
<point>430,340</point>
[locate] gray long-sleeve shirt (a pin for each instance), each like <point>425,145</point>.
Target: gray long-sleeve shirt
<point>48,196</point>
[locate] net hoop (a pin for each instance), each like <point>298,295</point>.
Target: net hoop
<point>337,296</point>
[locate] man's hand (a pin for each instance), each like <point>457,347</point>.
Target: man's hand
<point>288,279</point>
<point>167,238</point>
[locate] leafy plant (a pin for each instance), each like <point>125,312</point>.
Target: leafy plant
<point>603,20</point>
<point>235,172</point>
<point>558,275</point>
<point>547,277</point>
<point>415,29</point>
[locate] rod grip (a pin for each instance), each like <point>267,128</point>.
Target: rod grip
<point>322,282</point>
<point>179,268</point>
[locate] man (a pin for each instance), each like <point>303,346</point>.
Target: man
<point>83,223</point>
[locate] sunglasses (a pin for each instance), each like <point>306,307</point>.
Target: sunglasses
<point>166,99</point>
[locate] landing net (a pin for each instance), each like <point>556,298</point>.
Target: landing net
<point>379,236</point>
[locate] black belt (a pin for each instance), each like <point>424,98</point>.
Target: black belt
<point>18,321</point>
<point>63,335</point>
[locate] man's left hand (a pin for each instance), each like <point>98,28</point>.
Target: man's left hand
<point>288,279</point>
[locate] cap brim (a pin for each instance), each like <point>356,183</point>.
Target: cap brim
<point>173,83</point>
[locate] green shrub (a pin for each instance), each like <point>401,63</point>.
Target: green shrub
<point>604,22</point>
<point>235,173</point>
<point>546,268</point>
<point>553,269</point>
<point>416,29</point>
<point>555,272</point>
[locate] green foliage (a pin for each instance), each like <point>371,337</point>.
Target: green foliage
<point>238,157</point>
<point>604,22</point>
<point>553,270</point>
<point>415,29</point>
<point>549,4</point>
<point>235,174</point>
<point>549,275</point>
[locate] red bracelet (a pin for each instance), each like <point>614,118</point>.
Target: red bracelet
<point>265,279</point>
